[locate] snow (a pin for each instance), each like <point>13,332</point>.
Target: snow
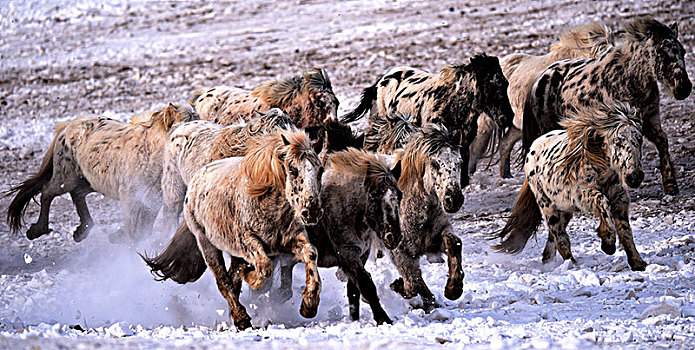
<point>55,293</point>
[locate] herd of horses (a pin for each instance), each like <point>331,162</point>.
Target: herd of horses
<point>273,177</point>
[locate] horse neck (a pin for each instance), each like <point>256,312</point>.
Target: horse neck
<point>632,64</point>
<point>462,100</point>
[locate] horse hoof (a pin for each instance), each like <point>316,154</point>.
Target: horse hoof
<point>428,307</point>
<point>506,175</point>
<point>608,248</point>
<point>243,324</point>
<point>383,319</point>
<point>36,231</point>
<point>638,265</point>
<point>671,188</point>
<point>398,287</point>
<point>308,311</point>
<point>81,232</point>
<point>453,290</point>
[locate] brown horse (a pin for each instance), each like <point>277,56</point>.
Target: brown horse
<point>628,72</point>
<point>580,41</point>
<point>97,154</point>
<point>360,196</point>
<point>308,99</point>
<point>252,208</point>
<point>193,145</point>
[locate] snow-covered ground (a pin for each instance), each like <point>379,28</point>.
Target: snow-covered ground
<point>118,58</point>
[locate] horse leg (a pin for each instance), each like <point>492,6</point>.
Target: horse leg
<point>78,199</point>
<point>306,253</point>
<point>555,220</point>
<point>465,155</point>
<point>174,193</point>
<point>510,138</point>
<point>411,283</point>
<point>360,282</point>
<point>262,267</point>
<point>54,188</point>
<point>651,127</point>
<point>596,202</point>
<point>480,142</point>
<point>228,283</point>
<point>452,246</point>
<point>620,208</point>
<point>550,249</point>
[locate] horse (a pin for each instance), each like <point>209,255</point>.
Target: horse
<point>454,98</point>
<point>308,99</point>
<point>628,72</point>
<point>97,154</point>
<point>195,144</point>
<point>360,197</point>
<point>587,167</point>
<point>251,207</point>
<point>430,171</point>
<point>580,41</point>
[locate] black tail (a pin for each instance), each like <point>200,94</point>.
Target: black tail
<point>181,261</point>
<point>530,129</point>
<point>31,186</point>
<point>523,223</point>
<point>366,102</point>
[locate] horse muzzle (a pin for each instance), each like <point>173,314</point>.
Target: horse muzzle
<point>453,201</point>
<point>682,90</point>
<point>312,215</point>
<point>634,179</point>
<point>392,238</point>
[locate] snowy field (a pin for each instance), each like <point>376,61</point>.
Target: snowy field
<point>60,60</point>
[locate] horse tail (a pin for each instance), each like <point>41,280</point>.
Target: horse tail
<point>522,224</point>
<point>32,186</point>
<point>530,129</point>
<point>180,261</point>
<point>196,95</point>
<point>366,103</point>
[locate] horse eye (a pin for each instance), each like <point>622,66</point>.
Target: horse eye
<point>434,165</point>
<point>294,172</point>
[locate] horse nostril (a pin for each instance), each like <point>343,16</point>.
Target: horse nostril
<point>305,214</point>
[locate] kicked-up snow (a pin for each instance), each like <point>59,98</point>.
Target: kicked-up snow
<point>119,58</point>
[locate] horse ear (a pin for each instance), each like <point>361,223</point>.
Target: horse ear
<point>169,116</point>
<point>674,28</point>
<point>396,170</point>
<point>284,140</point>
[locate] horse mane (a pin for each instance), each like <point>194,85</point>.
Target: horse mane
<point>280,93</point>
<point>643,28</point>
<point>586,131</point>
<point>413,158</point>
<point>479,66</point>
<point>317,79</point>
<point>263,163</point>
<point>166,117</point>
<point>353,161</point>
<point>584,40</point>
<point>389,132</point>
<point>232,140</point>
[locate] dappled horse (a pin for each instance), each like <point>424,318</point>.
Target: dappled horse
<point>628,72</point>
<point>308,99</point>
<point>193,145</point>
<point>430,169</point>
<point>97,154</point>
<point>252,208</point>
<point>580,41</point>
<point>586,167</point>
<point>454,97</point>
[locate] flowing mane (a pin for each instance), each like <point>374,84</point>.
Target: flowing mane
<point>645,27</point>
<point>454,72</point>
<point>589,39</point>
<point>388,133</point>
<point>283,92</point>
<point>263,164</point>
<point>431,139</point>
<point>232,140</point>
<point>167,116</point>
<point>353,161</point>
<point>586,131</point>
